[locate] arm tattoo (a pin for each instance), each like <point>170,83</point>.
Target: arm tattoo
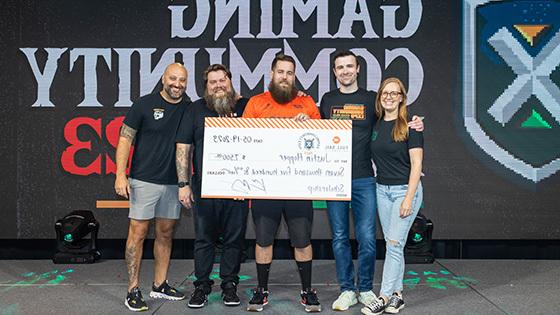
<point>181,162</point>
<point>128,133</point>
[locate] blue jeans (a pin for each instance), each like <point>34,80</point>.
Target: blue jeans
<point>395,232</point>
<point>364,212</point>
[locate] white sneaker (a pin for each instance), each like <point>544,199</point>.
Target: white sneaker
<point>367,297</point>
<point>344,301</point>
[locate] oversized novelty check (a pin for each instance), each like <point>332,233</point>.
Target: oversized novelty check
<point>267,158</point>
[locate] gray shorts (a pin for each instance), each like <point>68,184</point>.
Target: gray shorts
<point>148,200</point>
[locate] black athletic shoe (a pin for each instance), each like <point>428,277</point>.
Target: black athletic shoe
<point>165,291</point>
<point>198,298</point>
<point>258,301</point>
<point>375,308</point>
<point>310,301</point>
<point>396,303</point>
<point>135,302</point>
<point>229,295</point>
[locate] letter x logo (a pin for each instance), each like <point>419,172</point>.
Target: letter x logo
<point>533,76</point>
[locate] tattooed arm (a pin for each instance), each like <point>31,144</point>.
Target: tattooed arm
<point>183,162</point>
<point>123,151</point>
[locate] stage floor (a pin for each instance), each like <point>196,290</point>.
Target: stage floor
<point>445,287</point>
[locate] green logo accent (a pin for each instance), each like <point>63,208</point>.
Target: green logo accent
<point>319,204</point>
<point>68,237</point>
<point>374,135</point>
<point>535,121</point>
<point>417,237</point>
<point>441,280</point>
<point>322,204</point>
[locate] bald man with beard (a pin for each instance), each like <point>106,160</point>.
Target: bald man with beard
<point>212,217</point>
<point>151,124</point>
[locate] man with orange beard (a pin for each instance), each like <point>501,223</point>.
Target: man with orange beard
<point>282,101</point>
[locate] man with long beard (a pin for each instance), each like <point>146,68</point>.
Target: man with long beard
<point>282,101</point>
<point>151,123</point>
<point>213,217</point>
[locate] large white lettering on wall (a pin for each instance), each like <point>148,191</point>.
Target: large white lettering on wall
<point>245,35</point>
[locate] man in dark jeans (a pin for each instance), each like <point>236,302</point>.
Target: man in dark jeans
<point>213,217</point>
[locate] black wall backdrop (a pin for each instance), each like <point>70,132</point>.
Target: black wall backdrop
<point>72,68</point>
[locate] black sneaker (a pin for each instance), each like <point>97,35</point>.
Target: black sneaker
<point>396,303</point>
<point>165,291</point>
<point>198,298</point>
<point>375,308</point>
<point>310,301</point>
<point>229,295</point>
<point>258,301</point>
<point>135,302</point>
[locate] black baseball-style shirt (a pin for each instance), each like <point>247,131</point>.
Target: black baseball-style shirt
<point>359,107</point>
<point>191,130</point>
<point>391,158</point>
<point>156,122</point>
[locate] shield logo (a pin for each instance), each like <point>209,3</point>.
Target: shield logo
<point>308,141</point>
<point>511,79</point>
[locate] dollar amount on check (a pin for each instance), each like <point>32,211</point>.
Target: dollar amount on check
<point>266,158</point>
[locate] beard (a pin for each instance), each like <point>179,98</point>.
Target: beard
<point>281,94</point>
<point>174,96</point>
<point>223,105</point>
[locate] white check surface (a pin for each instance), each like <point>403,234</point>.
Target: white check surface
<point>277,159</point>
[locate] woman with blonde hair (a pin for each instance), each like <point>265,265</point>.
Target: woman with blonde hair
<point>397,152</point>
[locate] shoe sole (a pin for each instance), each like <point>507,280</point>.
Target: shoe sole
<point>134,309</point>
<point>367,311</point>
<point>255,307</point>
<point>394,310</point>
<point>196,305</point>
<point>337,308</point>
<point>232,303</point>
<point>159,295</point>
<point>313,308</point>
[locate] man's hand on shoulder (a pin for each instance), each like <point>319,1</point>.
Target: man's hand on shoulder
<point>416,123</point>
<point>301,93</point>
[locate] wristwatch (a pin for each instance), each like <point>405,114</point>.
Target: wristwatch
<point>182,184</point>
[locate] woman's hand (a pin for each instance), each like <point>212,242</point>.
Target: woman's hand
<point>406,207</point>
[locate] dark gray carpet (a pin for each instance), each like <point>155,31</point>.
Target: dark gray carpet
<point>445,287</point>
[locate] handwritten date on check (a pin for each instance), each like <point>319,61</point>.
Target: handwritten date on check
<point>267,158</point>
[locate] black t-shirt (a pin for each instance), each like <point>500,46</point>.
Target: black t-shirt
<point>156,122</point>
<point>191,130</point>
<point>358,106</point>
<point>392,158</point>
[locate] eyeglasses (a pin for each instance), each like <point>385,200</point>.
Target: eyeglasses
<point>393,94</point>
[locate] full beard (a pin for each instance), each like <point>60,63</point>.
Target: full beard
<point>282,95</point>
<point>223,105</point>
